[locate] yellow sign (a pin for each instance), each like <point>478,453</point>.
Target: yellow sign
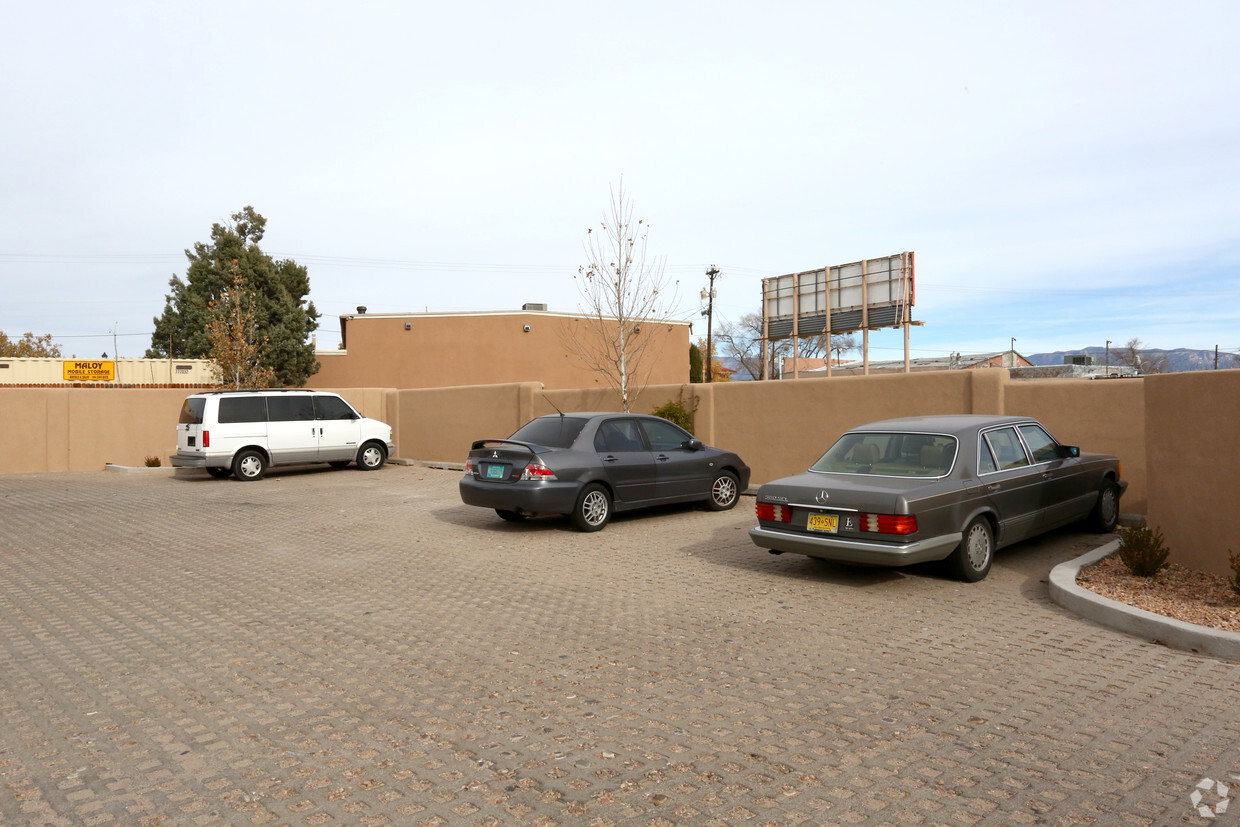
<point>85,371</point>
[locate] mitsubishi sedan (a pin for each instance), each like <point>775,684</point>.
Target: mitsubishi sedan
<point>951,488</point>
<point>589,465</point>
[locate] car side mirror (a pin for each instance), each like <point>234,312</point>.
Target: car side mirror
<point>693,444</point>
<point>1070,451</point>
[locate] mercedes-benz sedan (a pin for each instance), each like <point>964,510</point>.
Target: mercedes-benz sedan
<point>953,488</point>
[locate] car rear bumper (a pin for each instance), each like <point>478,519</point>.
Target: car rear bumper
<point>199,461</point>
<point>526,498</point>
<point>859,552</point>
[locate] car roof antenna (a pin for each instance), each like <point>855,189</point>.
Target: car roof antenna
<point>552,404</point>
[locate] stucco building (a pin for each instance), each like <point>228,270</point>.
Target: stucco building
<point>435,350</point>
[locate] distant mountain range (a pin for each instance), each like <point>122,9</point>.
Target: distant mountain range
<point>1180,359</point>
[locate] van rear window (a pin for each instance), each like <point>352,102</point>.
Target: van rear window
<point>243,409</point>
<point>191,411</point>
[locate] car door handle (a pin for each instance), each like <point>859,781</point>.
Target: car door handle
<point>611,458</point>
<point>661,457</point>
<point>994,487</point>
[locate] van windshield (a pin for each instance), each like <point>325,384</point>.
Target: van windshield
<point>191,411</point>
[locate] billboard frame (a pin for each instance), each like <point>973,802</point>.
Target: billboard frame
<point>862,295</point>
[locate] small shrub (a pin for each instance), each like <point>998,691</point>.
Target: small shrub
<point>674,410</point>
<point>1234,580</point>
<point>1142,549</point>
<point>152,462</point>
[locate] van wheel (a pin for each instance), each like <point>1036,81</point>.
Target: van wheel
<point>220,473</point>
<point>371,457</point>
<point>249,465</point>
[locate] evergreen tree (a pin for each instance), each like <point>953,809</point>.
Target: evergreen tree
<point>284,318</point>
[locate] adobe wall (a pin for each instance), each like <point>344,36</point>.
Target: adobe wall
<point>84,429</point>
<point>1192,439</point>
<point>1100,416</point>
<point>1173,433</point>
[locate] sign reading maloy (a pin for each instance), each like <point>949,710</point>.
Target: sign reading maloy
<point>89,371</point>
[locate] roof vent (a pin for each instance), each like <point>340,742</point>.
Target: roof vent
<point>533,306</point>
<point>361,308</point>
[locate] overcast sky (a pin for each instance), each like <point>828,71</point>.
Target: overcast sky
<point>1066,172</point>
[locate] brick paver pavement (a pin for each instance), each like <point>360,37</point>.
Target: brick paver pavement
<point>341,647</point>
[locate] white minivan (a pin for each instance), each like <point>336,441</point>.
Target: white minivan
<point>246,432</point>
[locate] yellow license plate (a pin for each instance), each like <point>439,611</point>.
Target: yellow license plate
<point>829,523</point>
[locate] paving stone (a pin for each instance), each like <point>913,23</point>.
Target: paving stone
<point>342,647</point>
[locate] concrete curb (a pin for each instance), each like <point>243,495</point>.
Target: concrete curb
<point>1122,617</point>
<point>136,469</point>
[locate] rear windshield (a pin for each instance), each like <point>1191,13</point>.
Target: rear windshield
<point>551,431</point>
<point>191,411</point>
<point>889,455</point>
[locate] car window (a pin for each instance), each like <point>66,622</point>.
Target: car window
<point>299,408</point>
<point>1008,451</point>
<point>191,411</point>
<point>618,435</point>
<point>985,459</point>
<point>890,454</point>
<point>551,431</point>
<point>332,407</point>
<point>243,409</point>
<point>1043,448</point>
<point>664,436</point>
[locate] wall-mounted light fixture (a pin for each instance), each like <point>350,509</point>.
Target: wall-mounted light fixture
<point>525,328</point>
<point>408,325</point>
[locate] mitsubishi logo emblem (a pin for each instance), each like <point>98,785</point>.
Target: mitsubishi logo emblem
<point>495,455</point>
<point>821,497</point>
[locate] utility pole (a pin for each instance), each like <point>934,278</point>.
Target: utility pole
<point>1216,357</point>
<point>709,296</point>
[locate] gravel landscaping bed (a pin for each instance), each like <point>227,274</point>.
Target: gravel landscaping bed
<point>1191,596</point>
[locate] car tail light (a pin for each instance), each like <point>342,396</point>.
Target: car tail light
<point>537,471</point>
<point>206,439</point>
<point>469,465</point>
<point>887,523</point>
<point>773,513</point>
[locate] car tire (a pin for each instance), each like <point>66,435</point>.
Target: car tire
<point>724,491</point>
<point>510,516</point>
<point>249,465</point>
<point>971,560</point>
<point>371,457</point>
<point>1105,515</point>
<point>593,508</point>
<point>220,473</point>
<point>339,463</point>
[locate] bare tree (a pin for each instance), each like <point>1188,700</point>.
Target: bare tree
<point>742,341</point>
<point>622,291</point>
<point>1135,355</point>
<point>236,345</point>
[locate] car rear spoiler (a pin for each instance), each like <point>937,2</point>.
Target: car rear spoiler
<point>496,443</point>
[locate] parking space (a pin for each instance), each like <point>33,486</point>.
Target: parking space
<point>342,647</point>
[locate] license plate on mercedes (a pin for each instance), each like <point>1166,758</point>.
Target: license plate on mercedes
<point>829,523</point>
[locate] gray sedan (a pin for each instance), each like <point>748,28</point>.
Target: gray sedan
<point>587,465</point>
<point>953,488</point>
